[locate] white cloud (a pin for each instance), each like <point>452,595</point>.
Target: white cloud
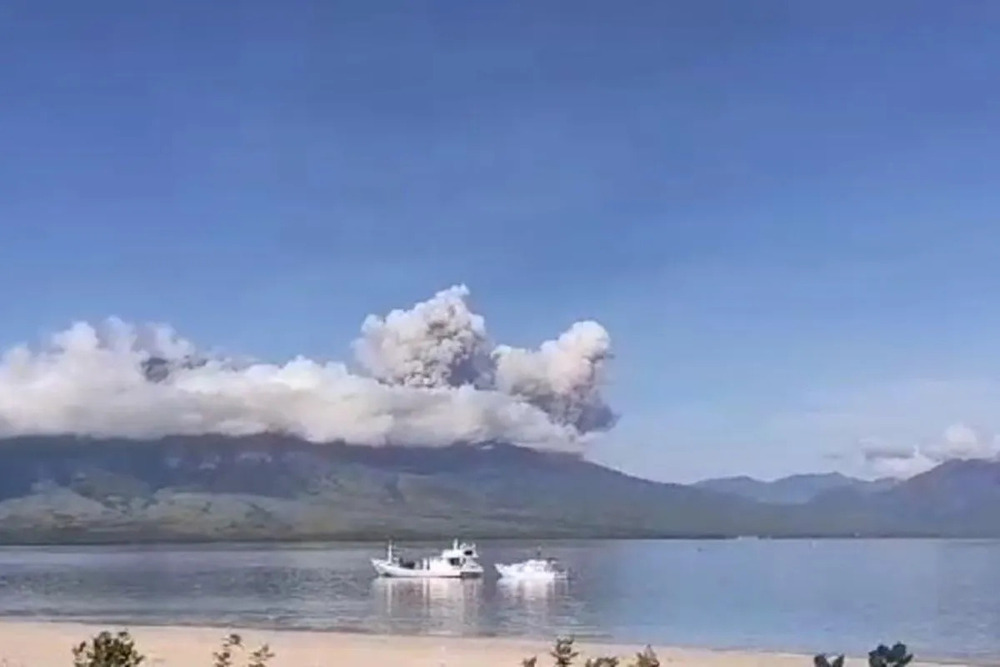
<point>958,441</point>
<point>898,429</point>
<point>433,378</point>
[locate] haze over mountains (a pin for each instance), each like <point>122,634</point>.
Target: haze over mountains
<point>794,488</point>
<point>117,432</point>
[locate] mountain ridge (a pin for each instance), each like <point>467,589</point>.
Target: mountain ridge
<point>793,489</point>
<point>262,486</point>
<point>274,487</point>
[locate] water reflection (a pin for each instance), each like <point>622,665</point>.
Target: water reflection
<point>534,603</point>
<point>534,593</point>
<point>783,595</point>
<point>449,606</point>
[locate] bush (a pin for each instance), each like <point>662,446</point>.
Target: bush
<point>882,656</point>
<point>822,661</point>
<point>224,656</point>
<point>107,650</point>
<point>563,654</point>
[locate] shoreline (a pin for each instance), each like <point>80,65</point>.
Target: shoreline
<point>48,643</point>
<point>545,537</point>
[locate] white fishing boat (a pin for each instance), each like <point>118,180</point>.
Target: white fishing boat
<point>533,569</point>
<point>458,562</point>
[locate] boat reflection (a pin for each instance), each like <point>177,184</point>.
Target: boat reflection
<point>535,603</point>
<point>531,591</point>
<point>437,605</point>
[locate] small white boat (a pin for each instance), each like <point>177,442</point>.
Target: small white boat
<point>458,562</point>
<point>534,569</point>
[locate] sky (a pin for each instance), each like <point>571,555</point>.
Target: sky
<point>785,214</point>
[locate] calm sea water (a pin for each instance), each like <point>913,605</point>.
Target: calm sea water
<point>941,597</point>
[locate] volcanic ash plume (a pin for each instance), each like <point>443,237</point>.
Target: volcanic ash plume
<point>562,377</point>
<point>431,378</point>
<point>437,343</point>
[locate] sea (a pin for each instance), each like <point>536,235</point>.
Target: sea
<point>940,597</point>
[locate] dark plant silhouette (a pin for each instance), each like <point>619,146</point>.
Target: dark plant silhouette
<point>822,660</point>
<point>107,650</point>
<point>563,654</point>
<point>647,658</point>
<point>224,656</point>
<point>260,657</point>
<point>603,661</point>
<point>883,656</point>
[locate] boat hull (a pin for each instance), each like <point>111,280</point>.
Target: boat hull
<point>387,569</point>
<point>520,573</point>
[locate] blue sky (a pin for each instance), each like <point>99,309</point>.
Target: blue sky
<point>786,213</point>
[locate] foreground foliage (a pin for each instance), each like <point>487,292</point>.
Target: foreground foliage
<point>118,650</point>
<point>107,650</point>
<point>232,643</point>
<point>881,656</point>
<point>563,654</point>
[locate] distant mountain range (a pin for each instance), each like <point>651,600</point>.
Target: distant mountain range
<point>69,489</point>
<point>794,489</point>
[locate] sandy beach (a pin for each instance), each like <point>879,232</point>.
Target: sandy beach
<point>49,645</point>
